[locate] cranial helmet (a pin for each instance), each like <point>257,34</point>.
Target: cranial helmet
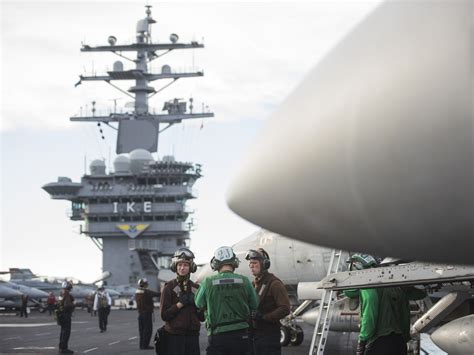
<point>67,285</point>
<point>224,256</point>
<point>142,282</point>
<point>183,255</point>
<point>260,255</point>
<point>362,261</point>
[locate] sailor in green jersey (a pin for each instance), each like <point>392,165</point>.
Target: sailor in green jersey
<point>384,314</point>
<point>227,299</point>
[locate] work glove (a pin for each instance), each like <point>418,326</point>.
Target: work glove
<point>360,350</point>
<point>186,299</point>
<point>256,315</point>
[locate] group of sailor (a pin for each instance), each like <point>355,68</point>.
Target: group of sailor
<point>242,317</point>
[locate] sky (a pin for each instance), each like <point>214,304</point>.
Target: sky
<point>255,54</point>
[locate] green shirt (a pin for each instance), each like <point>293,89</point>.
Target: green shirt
<point>385,310</point>
<point>227,299</point>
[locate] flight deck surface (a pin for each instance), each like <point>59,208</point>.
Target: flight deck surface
<point>39,334</point>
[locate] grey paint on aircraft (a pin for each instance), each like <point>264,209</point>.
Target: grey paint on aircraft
<point>456,337</point>
<point>383,160</point>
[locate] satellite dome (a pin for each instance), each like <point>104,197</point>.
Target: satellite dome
<point>166,69</point>
<point>122,164</point>
<point>97,167</point>
<point>118,66</point>
<point>139,158</point>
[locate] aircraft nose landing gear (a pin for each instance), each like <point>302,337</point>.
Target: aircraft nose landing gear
<point>292,334</point>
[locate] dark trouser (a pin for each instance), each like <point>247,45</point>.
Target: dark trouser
<point>65,331</point>
<point>23,311</point>
<point>392,344</point>
<point>103,315</point>
<point>145,327</point>
<point>51,308</point>
<point>182,344</point>
<point>266,344</point>
<point>229,343</point>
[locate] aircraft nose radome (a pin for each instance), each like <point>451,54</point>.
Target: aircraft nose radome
<point>456,337</point>
<point>374,149</point>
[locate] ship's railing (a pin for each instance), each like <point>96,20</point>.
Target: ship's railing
<point>153,69</point>
<point>133,40</point>
<point>86,111</point>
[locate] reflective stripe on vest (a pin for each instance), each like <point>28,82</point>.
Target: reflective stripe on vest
<point>229,281</point>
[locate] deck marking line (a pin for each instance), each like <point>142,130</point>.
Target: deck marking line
<point>25,325</point>
<point>89,350</point>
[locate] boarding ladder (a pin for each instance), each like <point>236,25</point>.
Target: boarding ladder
<point>328,298</point>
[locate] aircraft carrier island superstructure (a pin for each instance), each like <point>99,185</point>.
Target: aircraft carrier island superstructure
<point>137,214</point>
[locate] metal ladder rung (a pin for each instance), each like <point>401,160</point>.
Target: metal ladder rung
<point>323,321</point>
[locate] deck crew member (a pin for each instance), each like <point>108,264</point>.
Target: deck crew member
<point>144,298</point>
<point>102,304</point>
<point>178,309</point>
<point>384,313</point>
<point>274,304</point>
<point>228,299</point>
<point>64,315</point>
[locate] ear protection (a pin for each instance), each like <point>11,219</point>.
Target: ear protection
<point>214,264</point>
<point>266,259</point>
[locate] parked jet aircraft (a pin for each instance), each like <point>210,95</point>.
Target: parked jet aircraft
<point>80,290</point>
<point>9,298</point>
<point>33,293</point>
<point>385,151</point>
<point>36,298</point>
<point>27,278</point>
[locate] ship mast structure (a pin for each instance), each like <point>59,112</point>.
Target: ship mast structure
<point>137,214</point>
<point>140,129</point>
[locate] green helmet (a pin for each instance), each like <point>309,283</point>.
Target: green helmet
<point>362,261</point>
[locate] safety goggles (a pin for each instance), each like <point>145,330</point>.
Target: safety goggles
<point>184,254</point>
<point>253,254</point>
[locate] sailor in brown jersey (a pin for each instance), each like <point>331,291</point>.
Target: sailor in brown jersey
<point>274,304</point>
<point>178,309</point>
<point>64,314</point>
<point>144,298</point>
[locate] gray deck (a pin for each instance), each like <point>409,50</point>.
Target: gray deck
<point>39,334</point>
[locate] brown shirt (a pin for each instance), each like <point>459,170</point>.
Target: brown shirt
<point>66,301</point>
<point>274,303</point>
<point>144,298</point>
<point>180,321</point>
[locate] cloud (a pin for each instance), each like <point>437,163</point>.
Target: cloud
<point>255,54</point>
